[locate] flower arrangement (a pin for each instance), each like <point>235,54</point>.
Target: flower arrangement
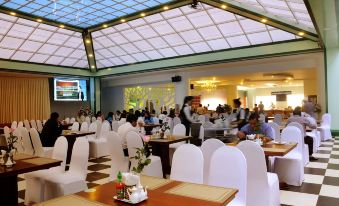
<point>165,127</point>
<point>142,155</point>
<point>11,140</point>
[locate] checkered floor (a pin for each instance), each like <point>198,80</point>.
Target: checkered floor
<point>320,188</point>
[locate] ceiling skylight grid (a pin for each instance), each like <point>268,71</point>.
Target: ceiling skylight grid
<point>25,40</point>
<point>180,31</point>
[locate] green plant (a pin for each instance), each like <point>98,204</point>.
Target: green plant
<point>165,127</point>
<point>142,155</point>
<point>11,140</point>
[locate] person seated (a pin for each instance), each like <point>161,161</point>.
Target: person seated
<point>254,126</point>
<point>147,118</point>
<point>305,122</point>
<point>129,125</point>
<point>51,131</point>
<point>110,117</point>
<point>117,115</point>
<point>200,110</point>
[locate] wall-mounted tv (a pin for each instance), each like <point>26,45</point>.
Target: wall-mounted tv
<point>70,90</point>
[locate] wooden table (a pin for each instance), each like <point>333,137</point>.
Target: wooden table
<point>8,176</point>
<point>158,196</point>
<point>71,137</point>
<point>149,127</point>
<point>160,147</point>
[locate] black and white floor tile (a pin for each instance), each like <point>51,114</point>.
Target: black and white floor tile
<point>320,187</point>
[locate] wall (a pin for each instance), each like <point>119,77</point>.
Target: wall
<point>310,87</point>
<point>112,99</point>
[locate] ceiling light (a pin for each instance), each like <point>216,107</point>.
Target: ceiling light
<point>123,20</point>
<point>223,6</point>
<point>62,26</point>
<point>12,13</point>
<point>88,41</point>
<point>92,66</point>
<point>263,20</point>
<point>39,20</point>
<point>90,55</point>
<point>142,14</point>
<point>166,7</point>
<point>301,33</point>
<point>105,26</point>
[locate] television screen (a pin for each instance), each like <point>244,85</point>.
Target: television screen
<point>70,90</point>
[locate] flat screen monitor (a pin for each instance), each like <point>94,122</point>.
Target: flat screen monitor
<point>70,90</point>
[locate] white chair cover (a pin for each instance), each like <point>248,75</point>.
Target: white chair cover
<point>26,141</point>
<point>115,126</point>
<point>6,131</point>
<point>84,127</point>
<point>118,160</point>
<point>262,187</point>
<point>72,120</point>
<point>27,125</point>
<point>208,147</point>
<point>202,134</point>
<point>33,124</point>
<point>290,168</point>
<point>37,145</point>
<point>276,131</point>
<point>88,120</point>
<point>278,119</point>
<point>39,125</point>
<point>93,119</point>
<point>325,128</point>
<point>192,172</point>
<point>75,127</point>
<point>314,134</point>
<point>134,141</point>
<point>92,128</point>
<point>306,157</point>
<point>20,124</point>
<point>73,180</point>
<point>98,147</point>
<point>19,144</point>
<point>226,172</point>
<point>67,120</point>
<point>176,120</point>
<point>14,125</point>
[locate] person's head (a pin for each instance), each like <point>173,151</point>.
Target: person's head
<point>260,102</point>
<point>255,105</point>
<point>164,112</point>
<point>131,118</point>
<point>137,113</point>
<point>110,114</point>
<point>124,111</point>
<point>297,111</point>
<point>98,114</point>
<point>236,103</point>
<point>153,111</point>
<point>188,100</point>
<point>253,120</point>
<point>54,116</point>
<point>200,105</point>
<point>147,114</point>
<point>247,110</point>
<point>118,112</point>
<point>123,115</point>
<point>172,113</point>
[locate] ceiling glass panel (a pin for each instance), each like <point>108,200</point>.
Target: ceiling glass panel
<point>81,13</point>
<point>181,31</point>
<point>39,43</point>
<point>292,10</point>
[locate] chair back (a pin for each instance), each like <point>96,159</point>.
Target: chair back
<point>133,141</point>
<point>39,125</point>
<point>79,159</point>
<point>27,125</point>
<point>202,118</point>
<point>115,126</point>
<point>75,127</point>
<point>105,128</point>
<point>99,119</point>
<point>6,131</point>
<point>67,120</point>
<point>293,134</point>
<point>176,120</point>
<point>192,172</point>
<point>118,159</point>
<point>26,141</point>
<point>84,127</point>
<point>94,119</point>
<point>44,121</point>
<point>72,120</point>
<point>226,172</point>
<point>208,147</point>
<point>20,124</point>
<point>202,133</point>
<point>33,124</point>
<point>276,131</point>
<point>299,126</point>
<point>93,128</point>
<point>257,182</point>
<point>179,129</point>
<point>14,125</point>
<point>19,144</point>
<point>60,152</point>
<point>278,119</point>
<point>36,142</point>
<point>207,124</point>
<point>262,117</point>
<point>88,120</point>
<point>326,120</point>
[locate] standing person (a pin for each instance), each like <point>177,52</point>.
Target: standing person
<point>239,114</point>
<point>256,109</point>
<point>117,115</point>
<point>185,114</point>
<point>309,108</point>
<point>51,131</point>
<point>261,107</point>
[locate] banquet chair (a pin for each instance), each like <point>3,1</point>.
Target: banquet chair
<point>34,192</point>
<point>92,128</point>
<point>154,168</point>
<point>37,145</point>
<point>27,125</point>
<point>93,119</point>
<point>98,146</point>
<point>226,172</point>
<point>180,130</point>
<point>99,119</point>
<point>278,119</point>
<point>176,120</point>
<point>118,160</point>
<point>192,172</point>
<point>6,131</point>
<point>202,134</point>
<point>262,117</point>
<point>262,186</point>
<point>20,124</point>
<point>115,126</point>
<point>315,134</point>
<point>19,144</point>
<point>306,157</point>
<point>325,127</point>
<point>202,118</point>
<point>290,168</point>
<point>39,126</point>
<point>33,124</point>
<point>14,125</point>
<point>44,121</point>
<point>276,131</point>
<point>67,120</point>
<point>75,127</point>
<point>208,147</point>
<point>72,120</point>
<point>122,121</point>
<point>73,180</point>
<point>26,141</point>
<point>84,127</point>
<point>88,120</point>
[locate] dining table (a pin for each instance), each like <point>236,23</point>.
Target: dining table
<point>148,128</point>
<point>160,192</point>
<point>71,136</point>
<point>24,164</point>
<point>160,147</point>
<point>65,126</point>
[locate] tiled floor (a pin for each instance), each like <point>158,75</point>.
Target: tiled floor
<point>320,188</point>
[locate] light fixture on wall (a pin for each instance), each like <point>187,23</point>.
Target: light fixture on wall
<point>209,85</point>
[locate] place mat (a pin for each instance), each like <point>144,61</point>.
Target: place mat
<point>202,192</point>
<point>268,149</point>
<point>39,161</point>
<point>70,200</point>
<point>21,156</point>
<point>153,183</point>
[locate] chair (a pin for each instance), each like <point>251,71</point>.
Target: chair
<point>315,134</point>
<point>118,160</point>
<point>19,144</point>
<point>262,186</point>
<point>192,172</point>
<point>208,147</point>
<point>306,157</point>
<point>33,124</point>
<point>202,134</point>
<point>27,125</point>
<point>14,125</point>
<point>39,125</point>
<point>180,130</point>
<point>26,141</point>
<point>226,172</point>
<point>115,126</point>
<point>98,146</point>
<point>67,120</point>
<point>262,117</point>
<point>276,131</point>
<point>37,145</point>
<point>34,192</point>
<point>88,120</point>
<point>176,120</point>
<point>73,180</point>
<point>93,119</point>
<point>92,128</point>
<point>84,127</point>
<point>207,124</point>
<point>44,121</point>
<point>290,168</point>
<point>202,118</point>
<point>6,131</point>
<point>20,124</point>
<point>325,127</point>
<point>72,120</point>
<point>278,119</point>
<point>154,168</point>
<point>75,127</point>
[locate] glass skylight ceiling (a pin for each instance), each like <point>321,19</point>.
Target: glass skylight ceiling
<point>293,10</point>
<point>81,13</point>
<point>30,41</point>
<point>177,32</point>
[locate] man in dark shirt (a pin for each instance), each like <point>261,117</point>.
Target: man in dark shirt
<point>51,131</point>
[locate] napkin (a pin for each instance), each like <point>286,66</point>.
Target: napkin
<point>130,179</point>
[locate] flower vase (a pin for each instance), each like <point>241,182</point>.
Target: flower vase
<point>167,133</point>
<point>9,162</point>
<point>162,134</point>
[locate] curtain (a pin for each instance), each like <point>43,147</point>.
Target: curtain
<point>24,98</point>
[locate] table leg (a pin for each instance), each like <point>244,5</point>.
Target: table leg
<point>163,152</point>
<point>70,148</point>
<point>9,190</point>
